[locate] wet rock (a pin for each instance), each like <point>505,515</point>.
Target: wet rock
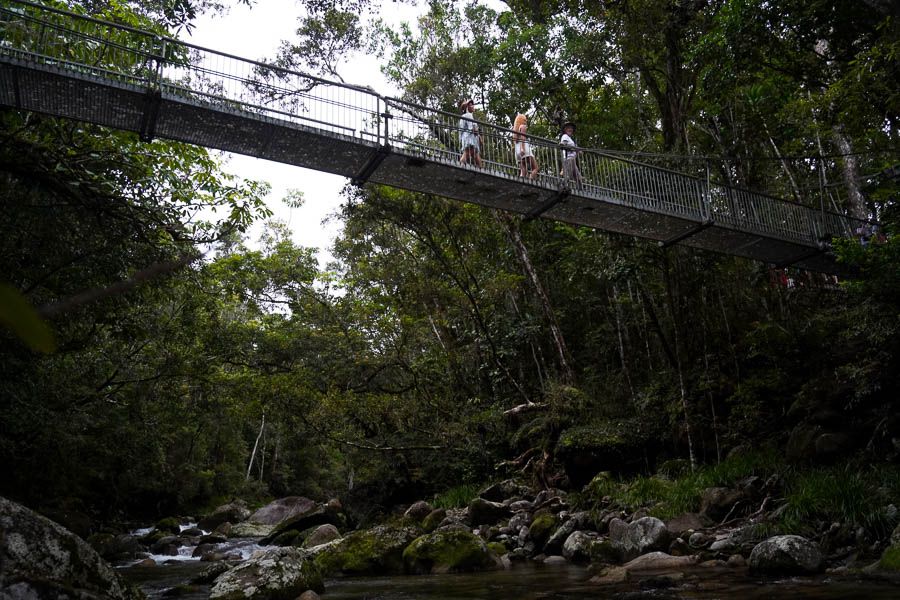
<point>684,523</point>
<point>249,529</point>
<point>679,547</point>
<point>278,511</point>
<point>555,542</point>
<point>42,559</point>
<point>577,546</point>
<point>659,561</point>
<point>322,535</point>
<point>376,551</point>
<point>213,539</point>
<point>555,559</point>
<point>116,548</point>
<point>448,551</point>
<point>434,519</point>
<point>786,555</point>
<point>499,492</point>
<point>167,546</point>
<point>541,528</point>
<point>309,595</point>
<point>233,512</point>
<point>639,537</point>
<point>276,573</point>
<point>304,517</point>
<point>418,511</point>
<point>716,503</point>
<point>485,512</point>
<point>611,575</point>
<point>699,540</point>
<point>209,574</point>
<point>736,561</point>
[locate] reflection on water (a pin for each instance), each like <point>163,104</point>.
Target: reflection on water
<point>527,581</point>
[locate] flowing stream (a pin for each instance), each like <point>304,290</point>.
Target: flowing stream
<point>530,581</point>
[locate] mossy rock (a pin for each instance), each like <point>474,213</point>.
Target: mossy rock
<point>434,519</point>
<point>288,538</point>
<point>604,551</point>
<point>169,524</point>
<point>447,551</point>
<point>890,560</point>
<point>542,527</point>
<point>376,551</point>
<point>615,446</point>
<point>497,548</point>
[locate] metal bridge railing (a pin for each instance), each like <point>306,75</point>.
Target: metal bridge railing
<point>90,47</point>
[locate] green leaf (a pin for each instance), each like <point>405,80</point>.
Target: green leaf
<point>20,317</point>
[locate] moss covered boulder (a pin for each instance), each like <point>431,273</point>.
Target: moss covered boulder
<point>376,551</point>
<point>890,560</point>
<point>542,527</point>
<point>619,447</point>
<point>42,559</point>
<point>448,551</point>
<point>278,574</point>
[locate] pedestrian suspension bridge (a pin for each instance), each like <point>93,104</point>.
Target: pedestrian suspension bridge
<point>68,65</point>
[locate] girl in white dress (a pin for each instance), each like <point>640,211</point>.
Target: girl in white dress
<point>528,164</point>
<point>469,136</point>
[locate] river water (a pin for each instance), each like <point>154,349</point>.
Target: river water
<point>530,581</point>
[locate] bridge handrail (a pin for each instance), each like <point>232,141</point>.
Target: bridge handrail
<point>607,175</point>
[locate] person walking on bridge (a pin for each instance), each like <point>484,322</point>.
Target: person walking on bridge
<point>570,153</point>
<point>469,135</point>
<point>528,164</point>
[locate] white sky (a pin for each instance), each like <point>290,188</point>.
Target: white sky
<point>256,33</point>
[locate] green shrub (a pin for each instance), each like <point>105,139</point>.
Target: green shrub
<point>456,497</point>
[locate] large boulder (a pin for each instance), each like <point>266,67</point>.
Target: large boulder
<point>418,511</point>
<point>615,446</point>
<point>321,535</point>
<point>116,548</point>
<point>578,546</point>
<point>233,512</point>
<point>277,511</point>
<point>448,551</point>
<point>659,561</point>
<point>376,551</point>
<point>249,529</point>
<point>485,512</point>
<point>277,574</point>
<point>639,537</point>
<point>786,555</point>
<point>301,520</point>
<point>498,492</point>
<point>42,559</point>
<point>716,503</point>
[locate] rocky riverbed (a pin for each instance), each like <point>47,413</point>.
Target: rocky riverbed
<point>509,542</point>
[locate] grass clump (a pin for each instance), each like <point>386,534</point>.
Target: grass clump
<point>456,497</point>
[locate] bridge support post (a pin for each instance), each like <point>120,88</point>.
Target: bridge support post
<point>683,236</point>
<point>375,159</point>
<point>555,199</point>
<point>154,96</point>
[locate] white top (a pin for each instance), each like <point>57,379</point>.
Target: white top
<point>468,130</point>
<point>566,140</point>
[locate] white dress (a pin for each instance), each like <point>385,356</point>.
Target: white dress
<point>468,130</point>
<point>523,148</point>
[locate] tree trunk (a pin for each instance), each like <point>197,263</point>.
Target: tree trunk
<point>262,426</point>
<point>850,171</point>
<point>562,352</point>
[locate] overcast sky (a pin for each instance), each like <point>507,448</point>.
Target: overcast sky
<point>256,33</point>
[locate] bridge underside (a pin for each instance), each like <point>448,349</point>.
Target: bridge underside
<point>129,106</point>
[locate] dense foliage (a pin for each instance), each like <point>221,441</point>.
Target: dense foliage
<point>450,345</point>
